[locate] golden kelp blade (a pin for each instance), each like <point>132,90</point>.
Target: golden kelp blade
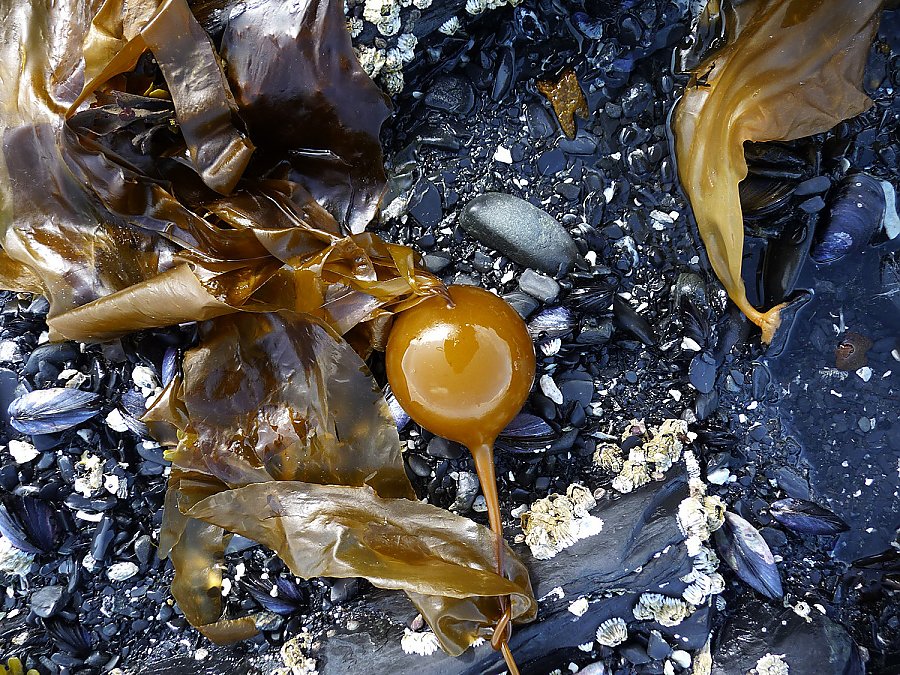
<point>281,420</point>
<point>790,68</point>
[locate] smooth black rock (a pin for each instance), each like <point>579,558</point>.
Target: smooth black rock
<point>523,303</point>
<point>657,648</point>
<point>8,383</point>
<point>702,372</point>
<point>441,447</point>
<point>813,186</point>
<point>814,648</point>
<point>521,231</point>
<point>425,205</point>
<point>47,601</point>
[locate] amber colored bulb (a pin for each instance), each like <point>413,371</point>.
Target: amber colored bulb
<point>461,371</point>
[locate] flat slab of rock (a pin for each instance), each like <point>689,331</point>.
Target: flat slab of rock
<point>640,549</point>
<point>521,231</point>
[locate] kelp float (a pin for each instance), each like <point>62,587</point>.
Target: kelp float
<point>150,178</point>
<point>788,69</point>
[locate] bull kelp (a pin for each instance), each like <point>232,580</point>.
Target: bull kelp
<point>151,177</point>
<point>789,69</point>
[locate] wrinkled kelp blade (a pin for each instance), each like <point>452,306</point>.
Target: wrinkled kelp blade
<point>394,543</point>
<point>203,102</point>
<point>301,91</point>
<point>790,68</point>
<point>285,398</point>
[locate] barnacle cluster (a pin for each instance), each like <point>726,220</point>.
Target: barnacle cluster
<point>612,632</point>
<point>699,515</point>
<point>479,6</point>
<point>665,610</point>
<point>294,654</point>
<point>393,45</point>
<point>421,643</point>
<point>558,521</point>
<point>660,447</point>
<point>771,664</point>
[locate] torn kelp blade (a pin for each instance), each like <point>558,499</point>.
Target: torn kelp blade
<point>47,411</point>
<point>748,554</point>
<point>806,517</point>
<point>397,544</point>
<point>801,84</point>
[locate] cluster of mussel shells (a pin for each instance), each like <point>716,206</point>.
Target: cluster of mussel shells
<point>861,209</point>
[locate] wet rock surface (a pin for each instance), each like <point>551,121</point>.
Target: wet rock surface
<point>636,327</point>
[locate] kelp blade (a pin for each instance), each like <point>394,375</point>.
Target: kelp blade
<point>394,543</point>
<point>777,78</point>
<point>279,418</point>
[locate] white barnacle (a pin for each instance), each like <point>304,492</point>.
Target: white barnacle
<point>715,512</point>
<point>634,474</point>
<point>371,59</point>
<point>390,24</point>
<point>406,45</point>
<point>609,457</point>
<point>422,4</point>
<point>771,664</point>
<point>451,26</point>
<point>392,81</point>
<point>612,632</point>
<point>294,655</point>
<point>551,347</point>
<point>691,518</point>
<point>475,6</point>
<point>355,26</point>
<point>663,609</point>
<point>423,644</point>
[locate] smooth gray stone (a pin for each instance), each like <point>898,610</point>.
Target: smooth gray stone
<point>637,526</point>
<point>539,286</point>
<point>521,231</point>
<point>814,648</point>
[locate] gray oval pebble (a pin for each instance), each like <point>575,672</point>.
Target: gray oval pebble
<point>521,231</point>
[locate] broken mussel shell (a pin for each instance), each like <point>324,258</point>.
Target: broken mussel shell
<point>551,323</point>
<point>806,517</point>
<point>859,212</point>
<point>47,411</point>
<point>748,554</point>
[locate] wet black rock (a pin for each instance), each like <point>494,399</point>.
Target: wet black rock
<point>702,372</point>
<point>521,231</point>
<point>47,601</point>
<point>638,550</point>
<point>523,303</point>
<point>808,648</point>
<point>444,449</point>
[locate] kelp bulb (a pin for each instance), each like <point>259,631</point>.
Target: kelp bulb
<point>461,370</point>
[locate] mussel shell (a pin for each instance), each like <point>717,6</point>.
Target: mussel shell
<point>401,418</point>
<point>551,323</point>
<point>857,213</point>
<point>29,523</point>
<point>46,411</point>
<point>748,554</point>
<point>806,517</point>
<point>70,637</point>
<point>762,196</point>
<point>527,427</point>
<point>597,298</point>
<point>290,599</point>
<point>588,26</point>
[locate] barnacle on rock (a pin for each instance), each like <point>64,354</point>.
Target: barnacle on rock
<point>423,644</point>
<point>665,610</point>
<point>634,474</point>
<point>609,457</point>
<point>612,632</point>
<point>558,521</point>
<point>295,658</point>
<point>667,442</point>
<point>771,664</point>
